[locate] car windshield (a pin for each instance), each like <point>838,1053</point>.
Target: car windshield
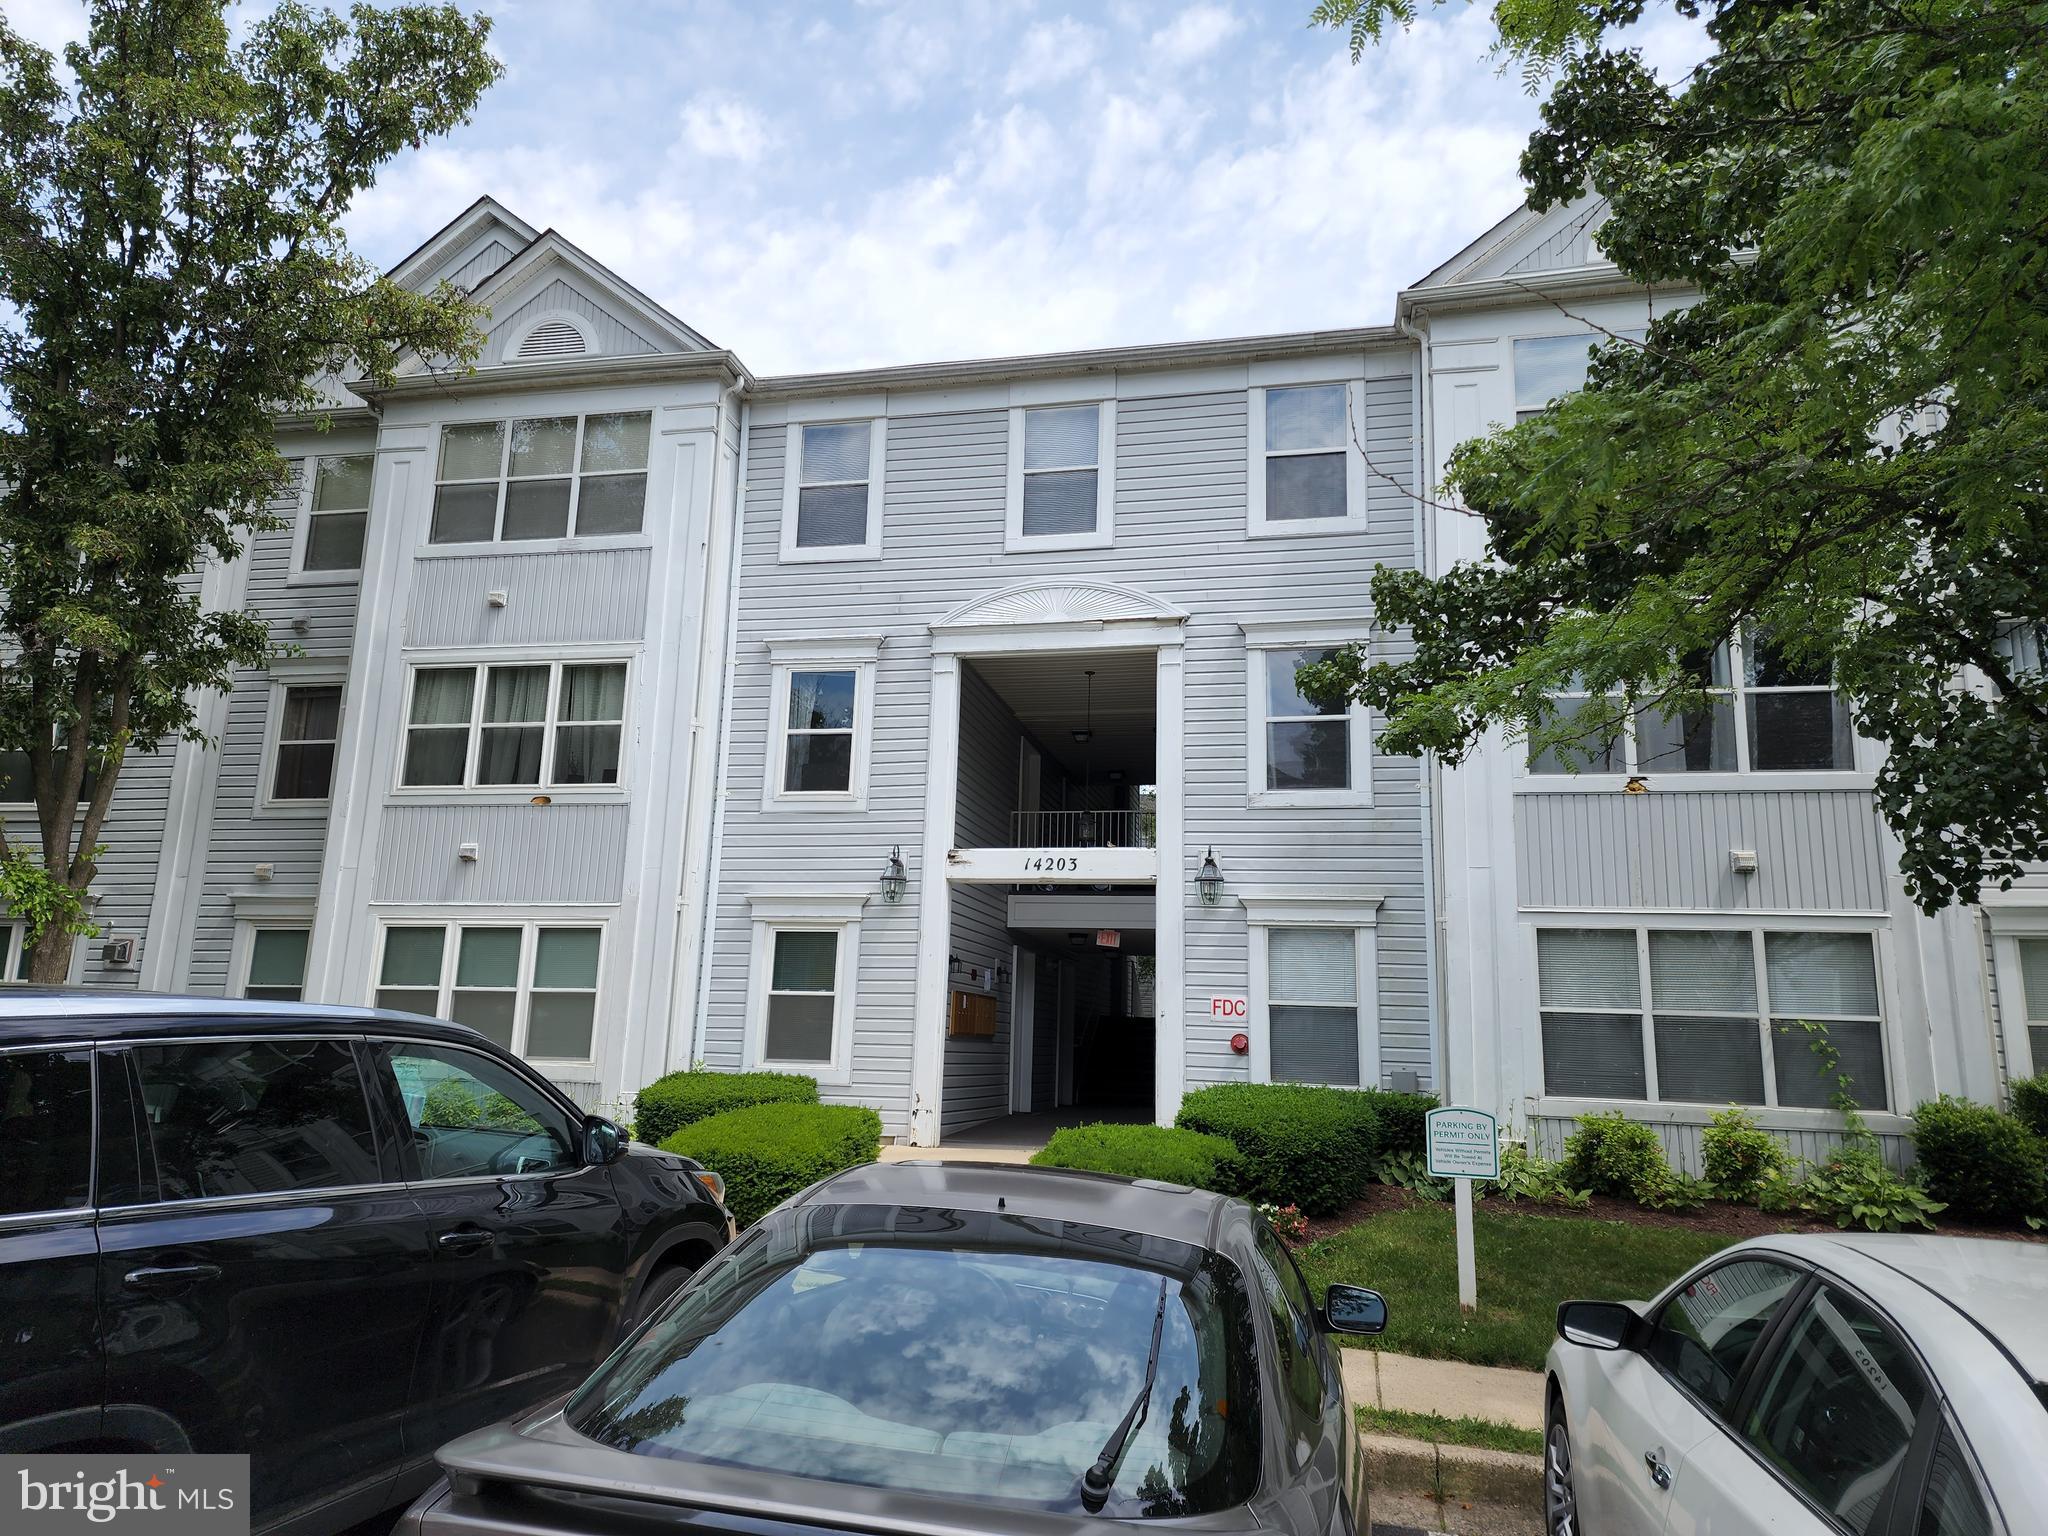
<point>957,1353</point>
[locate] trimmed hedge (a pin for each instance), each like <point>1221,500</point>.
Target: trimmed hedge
<point>1168,1154</point>
<point>768,1152</point>
<point>2030,1103</point>
<point>1983,1164</point>
<point>1403,1121</point>
<point>669,1103</point>
<point>1303,1146</point>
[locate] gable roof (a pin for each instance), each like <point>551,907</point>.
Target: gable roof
<point>1527,242</point>
<point>457,250</point>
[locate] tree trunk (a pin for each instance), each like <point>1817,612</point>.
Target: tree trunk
<point>49,958</point>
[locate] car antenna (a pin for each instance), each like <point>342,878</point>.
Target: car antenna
<point>1098,1479</point>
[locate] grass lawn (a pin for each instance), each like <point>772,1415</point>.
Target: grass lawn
<point>1527,1265</point>
<point>1443,1431</point>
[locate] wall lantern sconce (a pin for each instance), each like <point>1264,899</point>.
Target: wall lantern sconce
<point>895,879</point>
<point>1210,880</point>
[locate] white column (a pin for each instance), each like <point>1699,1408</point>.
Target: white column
<point>935,904</point>
<point>1170,897</point>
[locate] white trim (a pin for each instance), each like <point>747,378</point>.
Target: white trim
<point>1261,642</point>
<point>529,921</point>
<point>2011,924</point>
<point>837,914</point>
<point>480,662</point>
<point>242,948</point>
<point>1353,518</point>
<point>296,575</point>
<point>306,672</point>
<point>787,658</point>
<point>935,903</point>
<point>870,548</point>
<point>1023,1025</point>
<point>581,409</point>
<point>1103,534</point>
<point>508,354</point>
<point>1355,912</point>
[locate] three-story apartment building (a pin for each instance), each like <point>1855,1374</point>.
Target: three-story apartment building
<point>934,731</point>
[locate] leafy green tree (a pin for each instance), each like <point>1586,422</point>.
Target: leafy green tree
<point>1843,443</point>
<point>174,275</point>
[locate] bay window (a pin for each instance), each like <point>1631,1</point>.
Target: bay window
<point>529,986</point>
<point>1710,1015</point>
<point>541,477</point>
<point>503,725</point>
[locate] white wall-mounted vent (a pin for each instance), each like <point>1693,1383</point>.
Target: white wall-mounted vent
<point>550,339</point>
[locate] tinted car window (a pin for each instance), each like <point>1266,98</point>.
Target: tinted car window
<point>253,1117</point>
<point>1706,1333</point>
<point>1294,1326</point>
<point>969,1354</point>
<point>471,1117</point>
<point>1838,1410</point>
<point>1952,1506</point>
<point>45,1131</point>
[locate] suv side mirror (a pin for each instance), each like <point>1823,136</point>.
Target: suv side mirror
<point>1598,1324</point>
<point>1354,1309</point>
<point>603,1141</point>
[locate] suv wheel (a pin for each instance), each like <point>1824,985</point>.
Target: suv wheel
<point>661,1285</point>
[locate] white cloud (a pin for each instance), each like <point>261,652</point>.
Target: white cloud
<point>1194,33</point>
<point>720,126</point>
<point>1051,52</point>
<point>52,23</point>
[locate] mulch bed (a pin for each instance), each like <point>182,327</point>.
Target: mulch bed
<point>1735,1222</point>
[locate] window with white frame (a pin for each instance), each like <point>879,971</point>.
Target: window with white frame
<point>308,731</point>
<point>1312,1005</point>
<point>1304,749</point>
<point>817,749</point>
<point>820,704</point>
<point>529,986</point>
<point>522,724</point>
<point>541,477</point>
<point>1547,368</point>
<point>832,502</point>
<point>1711,1016</point>
<point>338,514</point>
<point>1763,712</point>
<point>1062,473</point>
<point>806,958</point>
<point>14,951</point>
<point>277,964</point>
<point>2034,1003</point>
<point>803,996</point>
<point>1307,470</point>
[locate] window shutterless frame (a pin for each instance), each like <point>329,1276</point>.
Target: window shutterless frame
<point>1264,642</point>
<point>1260,523</point>
<point>503,481</point>
<point>286,675</point>
<point>789,660</point>
<point>1027,463</point>
<point>332,517</point>
<point>551,723</point>
<point>771,916</point>
<point>794,482</point>
<point>447,979</point>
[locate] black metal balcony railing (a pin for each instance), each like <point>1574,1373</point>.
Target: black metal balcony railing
<point>1083,829</point>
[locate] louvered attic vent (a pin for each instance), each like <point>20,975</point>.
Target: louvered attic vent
<point>554,338</point>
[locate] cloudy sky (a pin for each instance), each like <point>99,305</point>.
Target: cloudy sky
<point>825,184</point>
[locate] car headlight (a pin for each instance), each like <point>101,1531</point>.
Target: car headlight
<point>712,1182</point>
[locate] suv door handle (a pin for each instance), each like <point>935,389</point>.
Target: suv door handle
<point>1660,1474</point>
<point>462,1239</point>
<point>169,1277</point>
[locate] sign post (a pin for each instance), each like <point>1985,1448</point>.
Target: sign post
<point>1464,1144</point>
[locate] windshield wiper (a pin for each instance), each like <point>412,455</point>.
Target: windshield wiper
<point>1100,1478</point>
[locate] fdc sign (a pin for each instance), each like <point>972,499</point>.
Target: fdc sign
<point>1230,1009</point>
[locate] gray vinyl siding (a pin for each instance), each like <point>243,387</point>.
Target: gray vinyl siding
<point>1684,1151</point>
<point>1180,536</point>
<point>1045,1032</point>
<point>540,854</point>
<point>1571,246</point>
<point>1817,850</point>
<point>610,336</point>
<point>481,265</point>
<point>561,597</point>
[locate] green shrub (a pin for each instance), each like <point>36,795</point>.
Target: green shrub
<point>1611,1154</point>
<point>1984,1165</point>
<point>1165,1153</point>
<point>1402,1126</point>
<point>1852,1187</point>
<point>1740,1157</point>
<point>1410,1171</point>
<point>669,1103</point>
<point>768,1152</point>
<point>2030,1103</point>
<point>1525,1176</point>
<point>1305,1146</point>
<point>1670,1190</point>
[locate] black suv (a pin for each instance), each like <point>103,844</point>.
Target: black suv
<point>329,1238</point>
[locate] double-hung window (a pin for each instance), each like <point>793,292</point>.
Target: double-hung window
<point>821,700</point>
<point>277,964</point>
<point>1315,988</point>
<point>338,515</point>
<point>308,731</point>
<point>805,964</point>
<point>1062,491</point>
<point>1305,748</point>
<point>531,987</point>
<point>832,490</point>
<point>1547,368</point>
<point>515,725</point>
<point>1711,1016</point>
<point>541,477</point>
<point>1762,712</point>
<point>1307,471</point>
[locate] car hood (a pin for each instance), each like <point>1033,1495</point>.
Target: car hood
<point>542,1451</point>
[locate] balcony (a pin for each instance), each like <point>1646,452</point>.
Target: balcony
<point>1084,829</point>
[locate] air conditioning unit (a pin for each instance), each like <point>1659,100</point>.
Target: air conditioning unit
<point>118,954</point>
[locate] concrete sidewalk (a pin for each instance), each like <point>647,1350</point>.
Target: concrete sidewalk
<point>1446,1387</point>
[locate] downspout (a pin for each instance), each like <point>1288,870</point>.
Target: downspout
<point>1432,843</point>
<point>707,919</point>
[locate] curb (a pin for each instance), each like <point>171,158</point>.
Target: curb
<point>1453,1471</point>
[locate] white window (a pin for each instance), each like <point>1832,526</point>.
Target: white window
<point>2033,955</point>
<point>1762,714</point>
<point>1302,750</point>
<point>306,718</point>
<point>336,516</point>
<point>540,477</point>
<point>1548,368</point>
<point>806,961</point>
<point>1710,1015</point>
<point>529,986</point>
<point>14,951</point>
<point>832,490</point>
<point>1307,467</point>
<point>820,707</point>
<point>515,724</point>
<point>1315,988</point>
<point>1062,491</point>
<point>277,964</point>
